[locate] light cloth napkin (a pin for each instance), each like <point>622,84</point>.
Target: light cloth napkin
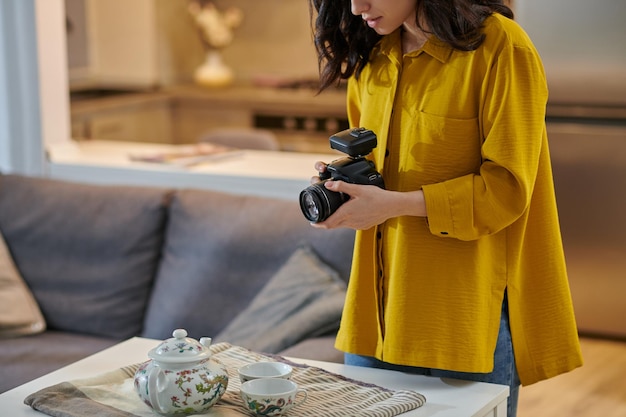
<point>113,395</point>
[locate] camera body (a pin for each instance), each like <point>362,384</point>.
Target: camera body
<point>316,201</point>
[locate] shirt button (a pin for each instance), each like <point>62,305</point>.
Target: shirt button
<point>386,153</point>
<point>444,233</point>
<point>379,235</point>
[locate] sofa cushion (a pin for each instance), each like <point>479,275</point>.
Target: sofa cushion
<point>26,358</point>
<point>221,250</point>
<point>317,348</point>
<point>304,299</point>
<point>89,253</point>
<point>19,312</point>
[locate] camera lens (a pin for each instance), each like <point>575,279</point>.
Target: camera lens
<point>318,203</point>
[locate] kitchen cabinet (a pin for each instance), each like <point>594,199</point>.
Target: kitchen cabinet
<point>127,117</point>
<point>589,164</point>
<point>301,120</point>
<point>180,114</point>
<point>195,116</point>
<point>149,125</point>
<point>139,44</point>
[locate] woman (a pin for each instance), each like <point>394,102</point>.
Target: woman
<point>458,267</point>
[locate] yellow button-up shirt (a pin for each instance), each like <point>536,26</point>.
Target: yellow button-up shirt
<point>468,128</point>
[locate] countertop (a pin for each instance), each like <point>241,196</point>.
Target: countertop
<point>263,173</point>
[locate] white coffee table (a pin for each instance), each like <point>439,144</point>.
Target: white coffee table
<point>444,397</point>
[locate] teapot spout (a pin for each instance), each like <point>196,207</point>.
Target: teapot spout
<point>205,341</point>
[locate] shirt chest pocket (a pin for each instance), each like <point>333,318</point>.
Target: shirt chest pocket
<point>441,148</point>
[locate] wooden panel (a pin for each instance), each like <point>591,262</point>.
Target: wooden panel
<point>193,118</point>
<point>151,124</point>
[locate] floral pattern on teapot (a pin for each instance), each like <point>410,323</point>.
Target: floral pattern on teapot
<point>181,378</point>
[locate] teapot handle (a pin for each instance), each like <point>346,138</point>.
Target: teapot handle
<point>156,387</point>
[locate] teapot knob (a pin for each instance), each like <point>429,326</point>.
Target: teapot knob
<point>180,333</point>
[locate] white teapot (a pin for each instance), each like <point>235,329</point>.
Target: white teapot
<point>180,377</point>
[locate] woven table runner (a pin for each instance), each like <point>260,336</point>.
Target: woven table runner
<point>113,395</point>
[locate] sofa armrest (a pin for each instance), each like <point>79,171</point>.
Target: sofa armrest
<point>25,358</point>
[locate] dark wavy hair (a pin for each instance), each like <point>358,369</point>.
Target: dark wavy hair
<point>343,41</point>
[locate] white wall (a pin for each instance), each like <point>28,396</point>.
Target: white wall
<point>5,160</point>
<point>582,44</point>
<point>274,38</point>
<point>34,107</point>
<point>20,138</point>
<point>52,71</point>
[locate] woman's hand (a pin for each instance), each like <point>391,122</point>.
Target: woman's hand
<point>364,209</point>
<point>368,205</point>
<point>319,167</point>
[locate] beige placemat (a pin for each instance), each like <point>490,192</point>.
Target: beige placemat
<point>113,394</point>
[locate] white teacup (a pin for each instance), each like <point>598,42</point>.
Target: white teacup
<point>264,370</point>
<point>271,396</point>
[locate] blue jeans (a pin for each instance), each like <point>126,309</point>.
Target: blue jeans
<point>504,371</point>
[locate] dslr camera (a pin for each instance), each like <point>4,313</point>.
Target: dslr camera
<point>316,201</point>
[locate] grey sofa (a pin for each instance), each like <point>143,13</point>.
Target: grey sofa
<point>94,265</point>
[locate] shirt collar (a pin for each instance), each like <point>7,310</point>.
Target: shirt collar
<point>391,46</point>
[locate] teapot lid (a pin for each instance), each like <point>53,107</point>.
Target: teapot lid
<point>181,349</point>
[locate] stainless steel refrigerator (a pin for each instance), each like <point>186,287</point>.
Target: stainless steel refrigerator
<point>583,47</point>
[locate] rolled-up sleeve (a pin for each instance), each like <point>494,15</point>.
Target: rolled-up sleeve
<point>512,126</point>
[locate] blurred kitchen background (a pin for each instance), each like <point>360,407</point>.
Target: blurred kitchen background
<point>582,46</point>
<point>130,71</point>
<point>130,66</point>
<point>150,43</point>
